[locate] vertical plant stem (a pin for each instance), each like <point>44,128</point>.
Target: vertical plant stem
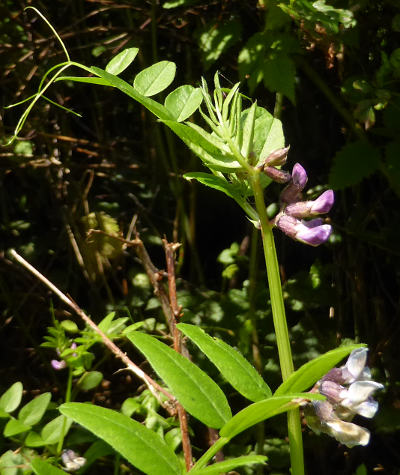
<point>67,399</point>
<point>170,249</point>
<point>255,343</point>
<point>279,319</point>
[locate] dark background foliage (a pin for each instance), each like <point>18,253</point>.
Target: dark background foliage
<point>336,88</point>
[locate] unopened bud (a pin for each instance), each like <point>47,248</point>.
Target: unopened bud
<point>277,157</point>
<point>277,175</point>
<point>292,192</point>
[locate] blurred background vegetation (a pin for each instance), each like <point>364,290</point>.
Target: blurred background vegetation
<point>330,70</point>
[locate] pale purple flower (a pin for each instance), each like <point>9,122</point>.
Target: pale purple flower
<point>349,391</point>
<point>307,209</point>
<point>71,460</point>
<point>61,364</point>
<point>311,232</point>
<point>58,365</point>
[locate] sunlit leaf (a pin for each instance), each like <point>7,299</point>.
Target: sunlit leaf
<point>142,447</point>
<point>193,388</point>
<point>203,147</point>
<point>308,374</point>
<point>228,465</point>
<point>262,410</point>
<point>11,399</point>
<point>153,106</point>
<point>120,62</point>
<point>232,364</point>
<point>183,102</point>
<point>155,78</point>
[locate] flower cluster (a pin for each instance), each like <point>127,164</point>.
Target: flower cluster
<point>293,216</point>
<point>348,392</point>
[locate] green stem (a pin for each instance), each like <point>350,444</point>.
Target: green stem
<point>203,460</point>
<point>67,399</point>
<point>279,319</point>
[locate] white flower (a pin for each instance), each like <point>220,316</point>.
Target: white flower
<point>348,392</point>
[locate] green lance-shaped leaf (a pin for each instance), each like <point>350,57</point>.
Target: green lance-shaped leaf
<point>11,399</point>
<point>193,388</point>
<point>142,447</point>
<point>155,78</point>
<point>120,62</point>
<point>232,364</point>
<point>183,102</point>
<point>221,184</point>
<point>205,147</point>
<point>228,465</point>
<point>262,410</point>
<point>153,106</point>
<point>41,467</point>
<point>85,79</point>
<point>308,374</point>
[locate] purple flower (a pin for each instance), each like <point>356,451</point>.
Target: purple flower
<point>293,209</point>
<point>58,365</point>
<point>61,364</point>
<point>348,392</point>
<point>292,192</point>
<point>311,232</point>
<point>307,209</point>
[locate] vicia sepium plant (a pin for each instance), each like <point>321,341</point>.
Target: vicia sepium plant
<point>244,150</point>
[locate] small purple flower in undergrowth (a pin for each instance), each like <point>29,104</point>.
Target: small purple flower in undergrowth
<point>58,364</point>
<point>348,392</point>
<point>61,364</point>
<point>291,218</point>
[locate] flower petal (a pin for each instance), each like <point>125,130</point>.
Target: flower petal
<point>356,363</point>
<point>323,203</point>
<point>314,236</point>
<point>361,390</point>
<point>348,433</point>
<point>299,176</point>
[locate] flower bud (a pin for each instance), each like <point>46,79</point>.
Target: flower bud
<point>292,192</point>
<point>277,175</point>
<point>277,157</point>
